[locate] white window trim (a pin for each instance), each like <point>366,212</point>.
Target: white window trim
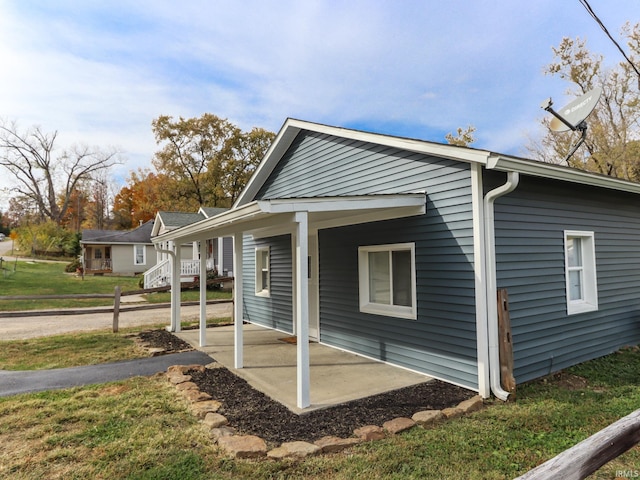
<point>398,311</point>
<point>262,290</point>
<point>144,254</point>
<point>590,284</point>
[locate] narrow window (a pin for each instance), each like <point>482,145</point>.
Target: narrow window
<point>139,255</point>
<point>388,280</point>
<point>580,272</point>
<point>262,272</point>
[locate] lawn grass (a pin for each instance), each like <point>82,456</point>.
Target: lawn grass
<point>72,350</point>
<point>41,278</point>
<point>140,428</point>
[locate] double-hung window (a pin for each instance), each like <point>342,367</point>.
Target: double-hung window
<point>387,280</point>
<point>262,272</point>
<point>580,272</point>
<point>139,255</point>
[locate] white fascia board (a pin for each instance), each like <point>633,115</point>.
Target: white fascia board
<point>292,127</point>
<point>198,229</point>
<point>320,204</point>
<point>280,144</point>
<point>558,172</point>
<point>414,145</point>
<point>257,214</point>
<point>158,225</point>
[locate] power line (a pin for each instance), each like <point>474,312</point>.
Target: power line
<point>586,5</point>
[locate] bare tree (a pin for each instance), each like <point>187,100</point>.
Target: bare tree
<point>48,180</point>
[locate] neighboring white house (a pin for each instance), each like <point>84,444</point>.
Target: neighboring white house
<point>118,252</point>
<point>219,250</point>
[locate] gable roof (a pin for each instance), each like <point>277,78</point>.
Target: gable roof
<point>178,219</point>
<point>142,234</point>
<point>490,160</point>
<point>209,212</point>
<point>166,221</point>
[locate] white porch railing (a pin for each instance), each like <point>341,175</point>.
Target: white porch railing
<point>98,264</point>
<point>160,274</point>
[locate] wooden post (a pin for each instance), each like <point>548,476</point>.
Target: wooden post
<point>116,309</point>
<point>586,457</point>
<point>507,380</point>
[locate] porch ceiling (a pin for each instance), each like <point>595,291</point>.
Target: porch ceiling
<point>273,217</point>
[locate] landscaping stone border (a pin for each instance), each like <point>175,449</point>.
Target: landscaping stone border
<point>237,445</point>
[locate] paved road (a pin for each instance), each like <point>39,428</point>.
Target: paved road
<point>38,326</point>
<point>14,383</point>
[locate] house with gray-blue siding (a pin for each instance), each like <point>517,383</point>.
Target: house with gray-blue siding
<point>395,248</point>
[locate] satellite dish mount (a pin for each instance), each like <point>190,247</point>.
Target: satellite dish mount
<point>573,116</point>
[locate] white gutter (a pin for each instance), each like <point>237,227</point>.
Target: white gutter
<point>492,290</point>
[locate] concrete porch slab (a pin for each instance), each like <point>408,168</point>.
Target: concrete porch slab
<point>270,366</point>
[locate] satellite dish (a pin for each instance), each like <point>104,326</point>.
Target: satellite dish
<point>573,115</point>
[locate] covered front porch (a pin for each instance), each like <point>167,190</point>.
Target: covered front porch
<point>270,366</point>
<point>301,219</point>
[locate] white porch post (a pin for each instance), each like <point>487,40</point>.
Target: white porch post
<point>302,308</point>
<point>176,325</point>
<point>203,292</point>
<point>237,300</point>
<point>220,254</point>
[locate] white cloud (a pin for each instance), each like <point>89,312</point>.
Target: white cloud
<point>99,73</point>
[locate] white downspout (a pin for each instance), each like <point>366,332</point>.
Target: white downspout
<point>492,290</point>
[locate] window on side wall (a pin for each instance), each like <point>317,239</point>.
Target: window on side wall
<point>139,255</point>
<point>387,278</point>
<point>262,272</point>
<point>580,272</point>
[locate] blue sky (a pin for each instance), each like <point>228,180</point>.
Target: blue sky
<point>99,72</point>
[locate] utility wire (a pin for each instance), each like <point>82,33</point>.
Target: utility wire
<point>586,5</point>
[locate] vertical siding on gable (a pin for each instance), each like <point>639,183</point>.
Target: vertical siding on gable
<point>530,224</point>
<point>276,310</point>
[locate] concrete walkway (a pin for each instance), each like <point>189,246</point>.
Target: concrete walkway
<point>270,366</point>
<point>14,383</point>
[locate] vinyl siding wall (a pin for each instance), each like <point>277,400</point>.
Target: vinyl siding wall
<point>122,258</point>
<point>442,341</point>
<point>530,224</point>
<point>276,310</point>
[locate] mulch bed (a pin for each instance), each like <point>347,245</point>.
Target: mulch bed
<point>253,413</point>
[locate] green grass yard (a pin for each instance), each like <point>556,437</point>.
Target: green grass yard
<point>40,278</point>
<point>141,428</point>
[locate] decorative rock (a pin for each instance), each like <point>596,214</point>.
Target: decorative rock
<point>217,433</point>
<point>452,412</point>
<point>186,386</point>
<point>177,377</point>
<point>369,433</point>
<point>471,405</point>
<point>183,369</point>
<point>196,395</point>
<point>427,417</point>
<point>200,409</point>
<point>398,425</point>
<point>245,446</point>
<point>293,450</point>
<point>215,420</point>
<point>332,444</point>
